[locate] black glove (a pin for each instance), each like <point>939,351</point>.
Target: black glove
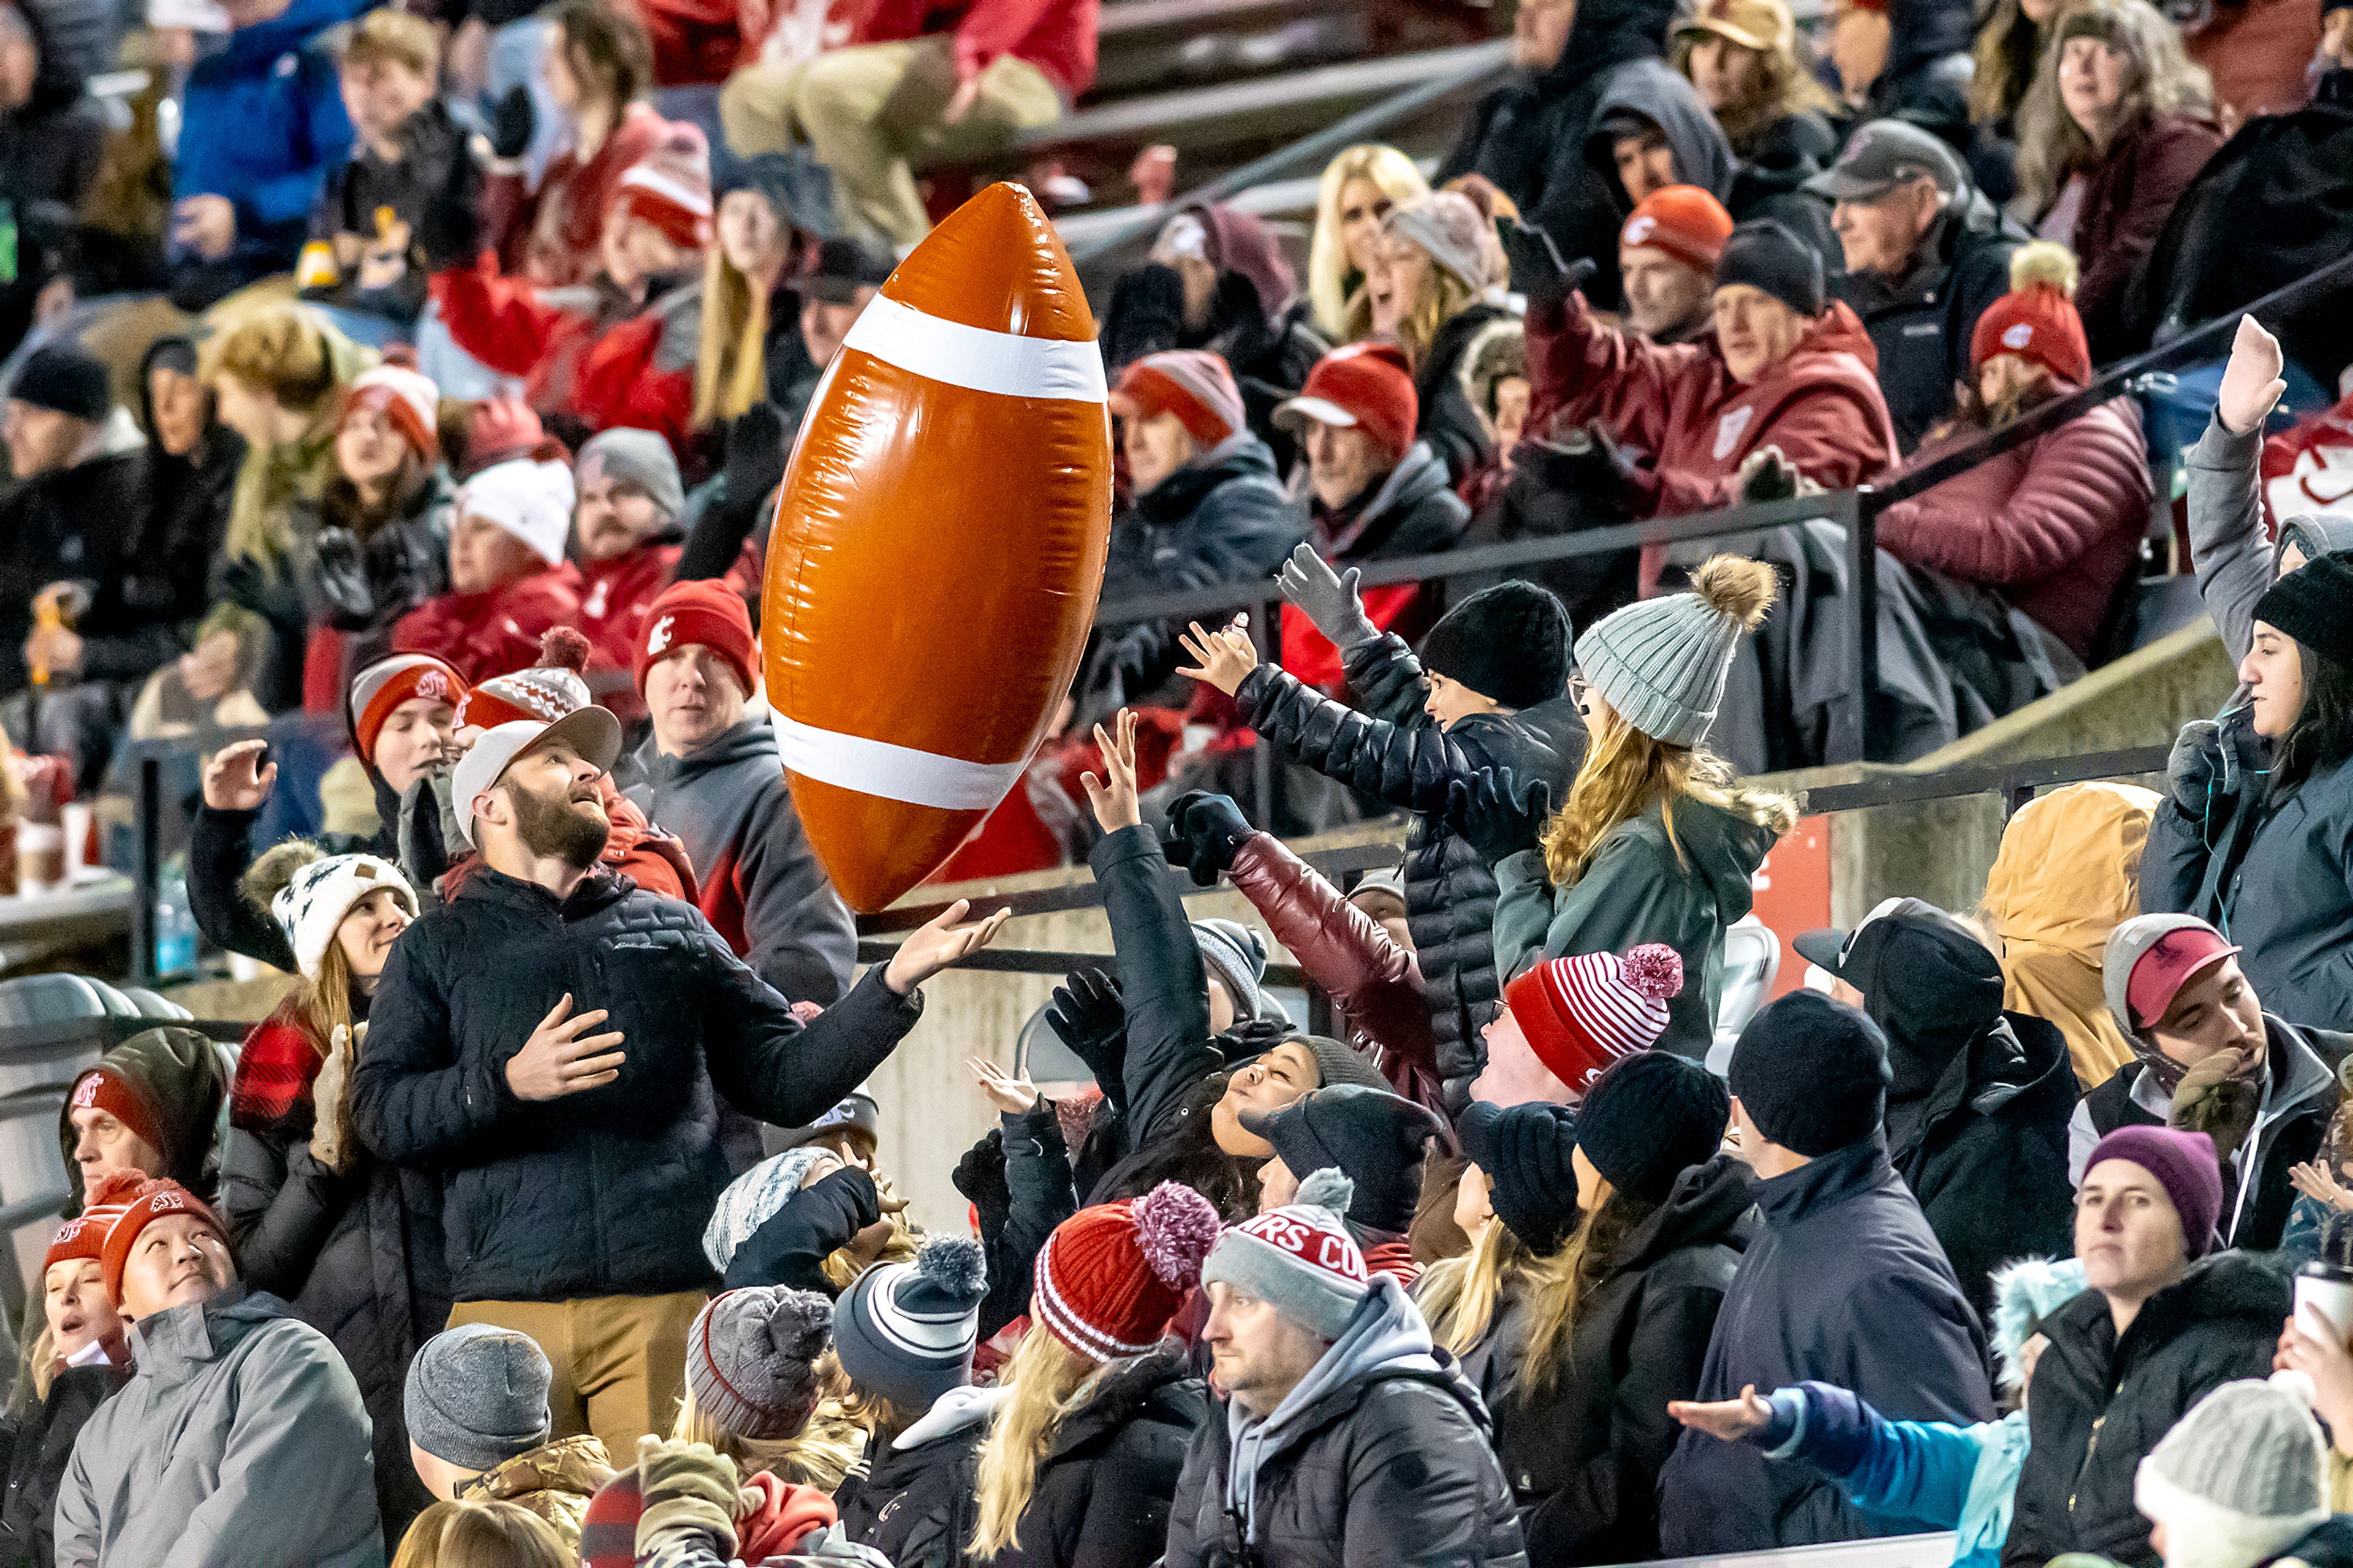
<point>790,1246</point>
<point>341,578</point>
<point>1203,834</point>
<point>1489,815</point>
<point>1091,1017</point>
<point>1537,269</point>
<point>512,124</point>
<point>756,450</point>
<point>449,229</point>
<point>1768,476</point>
<point>980,1177</point>
<point>1146,315</point>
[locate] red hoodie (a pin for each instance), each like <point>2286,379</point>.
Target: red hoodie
<point>550,236</point>
<point>1679,405</point>
<point>491,633</point>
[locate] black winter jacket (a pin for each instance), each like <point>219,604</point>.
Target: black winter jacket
<point>1397,753</point>
<point>1447,421</point>
<point>79,524</point>
<point>1847,1286</point>
<point>1921,323</point>
<point>1101,1497</point>
<point>1584,1461</point>
<point>364,185</point>
<point>1770,178</point>
<point>916,1505</point>
<point>34,1451</point>
<point>1528,136</point>
<point>362,586</point>
<point>220,852</point>
<point>1392,1468</point>
<point>51,146</point>
<point>602,1192</point>
<point>790,1246</point>
<point>359,1258</point>
<point>2101,1402</point>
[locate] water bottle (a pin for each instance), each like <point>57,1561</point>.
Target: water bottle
<point>176,931</point>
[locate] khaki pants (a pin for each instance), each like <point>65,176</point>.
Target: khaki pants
<point>873,112</point>
<point>619,1361</point>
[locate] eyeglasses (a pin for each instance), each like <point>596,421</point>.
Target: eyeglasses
<point>1577,688</point>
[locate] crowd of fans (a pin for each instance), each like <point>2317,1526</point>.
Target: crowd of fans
<point>431,371</point>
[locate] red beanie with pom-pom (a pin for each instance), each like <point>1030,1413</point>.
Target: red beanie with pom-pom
<point>1110,1276</point>
<point>1582,1013</point>
<point>542,694</point>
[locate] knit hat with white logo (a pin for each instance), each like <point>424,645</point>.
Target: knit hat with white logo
<point>1299,1258</point>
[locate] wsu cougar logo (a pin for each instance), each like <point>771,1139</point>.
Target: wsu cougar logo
<point>87,1095</point>
<point>659,639</point>
<point>1728,429</point>
<point>433,684</point>
<point>2017,337</point>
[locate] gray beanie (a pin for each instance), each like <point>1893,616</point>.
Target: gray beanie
<point>1300,1259</point>
<point>477,1396</point>
<point>751,1359</point>
<point>1236,955</point>
<point>1448,225</point>
<point>1661,663</point>
<point>2239,1479</point>
<point>1336,1064</point>
<point>637,458</point>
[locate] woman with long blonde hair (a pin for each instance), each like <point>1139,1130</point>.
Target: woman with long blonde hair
<point>2117,124</point>
<point>1517,1202</point>
<point>1358,189</point>
<point>1429,290</point>
<point>1081,1457</point>
<point>1658,839</point>
<point>1616,1322</point>
<point>757,254</point>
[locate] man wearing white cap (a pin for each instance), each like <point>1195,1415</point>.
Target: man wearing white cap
<point>553,1041</point>
<point>508,580</point>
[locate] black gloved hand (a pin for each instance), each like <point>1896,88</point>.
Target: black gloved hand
<point>512,123</point>
<point>1538,270</point>
<point>1145,316</point>
<point>980,1177</point>
<point>1204,833</point>
<point>1768,475</point>
<point>449,229</point>
<point>340,577</point>
<point>1091,1017</point>
<point>756,450</point>
<point>1490,814</point>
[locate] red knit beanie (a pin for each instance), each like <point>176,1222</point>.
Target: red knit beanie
<point>2037,323</point>
<point>382,687</point>
<point>105,1090</point>
<point>1582,1013</point>
<point>1193,384</point>
<point>408,399</point>
<point>85,1236</point>
<point>705,612</point>
<point>555,686</point>
<point>670,187</point>
<point>1684,221</point>
<point>1110,1276</point>
<point>1364,386</point>
<point>152,1201</point>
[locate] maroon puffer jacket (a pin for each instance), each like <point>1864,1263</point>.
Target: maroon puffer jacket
<point>2053,526</point>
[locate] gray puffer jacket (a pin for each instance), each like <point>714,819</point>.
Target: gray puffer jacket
<point>240,1442</point>
<point>1379,1458</point>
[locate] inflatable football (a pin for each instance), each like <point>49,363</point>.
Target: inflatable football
<point>938,546</point>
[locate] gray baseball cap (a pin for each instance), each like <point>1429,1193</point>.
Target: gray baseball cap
<point>1882,155</point>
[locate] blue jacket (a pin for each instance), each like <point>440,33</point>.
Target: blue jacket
<point>263,121</point>
<point>1954,1478</point>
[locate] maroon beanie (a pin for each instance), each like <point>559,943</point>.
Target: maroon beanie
<point>2184,1165</point>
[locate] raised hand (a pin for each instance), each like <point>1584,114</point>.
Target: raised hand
<point>561,1058</point>
<point>1204,832</point>
<point>1222,658</point>
<point>236,779</point>
<point>1113,795</point>
<point>1729,1419</point>
<point>947,937</point>
<point>1011,1094</point>
<point>1327,598</point>
<point>2252,386</point>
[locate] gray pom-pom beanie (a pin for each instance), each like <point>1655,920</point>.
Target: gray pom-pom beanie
<point>1661,663</point>
<point>751,1359</point>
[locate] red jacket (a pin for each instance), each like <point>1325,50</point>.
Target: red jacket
<point>490,633</point>
<point>1370,979</point>
<point>614,598</point>
<point>1058,37</point>
<point>584,352</point>
<point>696,43</point>
<point>550,236</point>
<point>1679,405</point>
<point>2053,526</point>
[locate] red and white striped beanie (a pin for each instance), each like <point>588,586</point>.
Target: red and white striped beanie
<point>1111,1276</point>
<point>1582,1013</point>
<point>1193,384</point>
<point>404,395</point>
<point>670,187</point>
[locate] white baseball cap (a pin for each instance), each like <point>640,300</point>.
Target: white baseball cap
<point>592,731</point>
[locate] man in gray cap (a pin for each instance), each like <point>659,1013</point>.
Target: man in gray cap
<point>1924,257</point>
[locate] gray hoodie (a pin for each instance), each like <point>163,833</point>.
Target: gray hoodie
<point>759,882</point>
<point>2234,561</point>
<point>239,1442</point>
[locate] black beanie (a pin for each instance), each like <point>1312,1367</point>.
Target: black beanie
<point>1813,1073</point>
<point>1370,1136</point>
<point>1764,255</point>
<point>1650,1118</point>
<point>1508,643</point>
<point>1524,1151</point>
<point>66,381</point>
<point>2314,606</point>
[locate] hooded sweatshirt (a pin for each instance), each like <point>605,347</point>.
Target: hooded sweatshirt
<point>177,1077</point>
<point>1664,96</point>
<point>759,882</point>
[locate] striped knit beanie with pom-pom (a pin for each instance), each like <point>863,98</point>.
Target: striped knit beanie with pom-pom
<point>2037,320</point>
<point>1111,1276</point>
<point>751,1360</point>
<point>1581,1014</point>
<point>1661,663</point>
<point>1299,1258</point>
<point>555,686</point>
<point>906,1332</point>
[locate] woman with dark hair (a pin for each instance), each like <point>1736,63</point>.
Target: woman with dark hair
<point>2274,825</point>
<point>597,69</point>
<point>2116,126</point>
<point>1742,57</point>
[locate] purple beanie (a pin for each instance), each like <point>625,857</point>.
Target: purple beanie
<point>2184,1165</point>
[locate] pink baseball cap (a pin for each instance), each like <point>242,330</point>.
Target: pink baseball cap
<point>2172,961</point>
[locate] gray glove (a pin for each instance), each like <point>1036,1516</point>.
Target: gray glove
<point>1327,598</point>
<point>2203,771</point>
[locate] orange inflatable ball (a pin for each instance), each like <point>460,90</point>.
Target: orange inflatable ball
<point>938,546</point>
